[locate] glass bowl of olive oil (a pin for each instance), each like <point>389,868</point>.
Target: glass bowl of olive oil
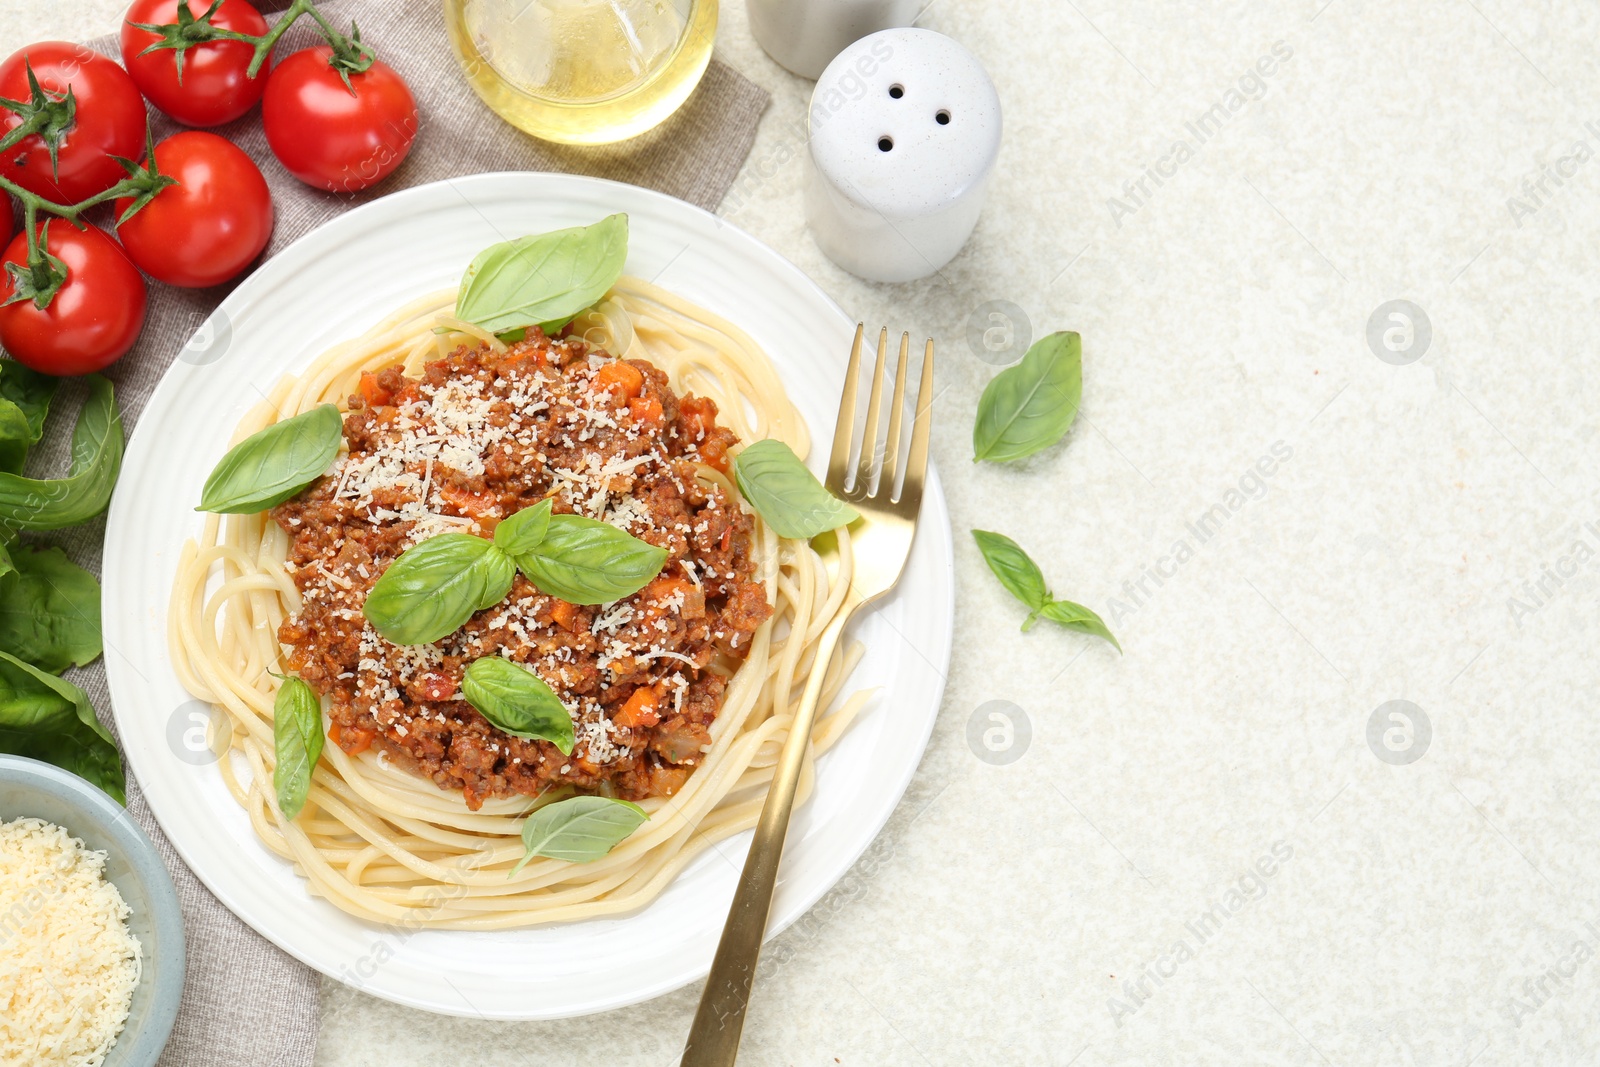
<point>583,71</point>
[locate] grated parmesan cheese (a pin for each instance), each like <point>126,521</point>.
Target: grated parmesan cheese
<point>68,965</point>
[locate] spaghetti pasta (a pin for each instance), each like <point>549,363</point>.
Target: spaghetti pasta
<point>388,845</point>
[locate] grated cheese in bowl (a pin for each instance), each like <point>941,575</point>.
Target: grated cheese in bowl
<point>68,965</point>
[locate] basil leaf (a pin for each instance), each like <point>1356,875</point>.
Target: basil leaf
<point>297,740</point>
<point>1015,569</point>
<point>1022,578</point>
<point>580,829</point>
<point>518,701</point>
<point>436,586</point>
<point>786,494</point>
<point>543,280</point>
<point>51,503</point>
<point>49,610</point>
<point>6,547</point>
<point>48,718</point>
<point>522,532</point>
<point>1031,406</point>
<point>14,439</point>
<point>1074,617</point>
<point>25,397</point>
<point>585,561</point>
<point>274,464</point>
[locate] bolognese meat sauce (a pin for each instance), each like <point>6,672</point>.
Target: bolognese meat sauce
<point>479,436</point>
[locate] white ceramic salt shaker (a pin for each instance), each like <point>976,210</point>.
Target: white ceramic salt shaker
<point>904,133</point>
<point>804,35</point>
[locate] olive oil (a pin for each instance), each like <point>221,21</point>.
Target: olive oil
<point>583,71</point>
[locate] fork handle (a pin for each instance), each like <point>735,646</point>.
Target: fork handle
<point>714,1037</point>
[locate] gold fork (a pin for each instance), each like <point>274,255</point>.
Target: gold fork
<point>879,542</point>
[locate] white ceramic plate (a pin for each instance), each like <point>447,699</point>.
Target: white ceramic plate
<point>334,283</point>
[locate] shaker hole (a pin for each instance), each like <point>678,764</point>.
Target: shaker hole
<point>942,118</point>
<point>885,143</point>
<point>897,91</point>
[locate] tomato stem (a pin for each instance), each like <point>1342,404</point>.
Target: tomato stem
<point>43,274</point>
<point>32,122</point>
<point>191,31</point>
<point>48,116</point>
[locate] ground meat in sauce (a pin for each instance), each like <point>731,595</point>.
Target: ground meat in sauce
<point>478,437</point>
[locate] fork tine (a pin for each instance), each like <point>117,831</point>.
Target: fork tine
<point>917,458</point>
<point>891,451</point>
<point>844,429</point>
<point>868,463</point>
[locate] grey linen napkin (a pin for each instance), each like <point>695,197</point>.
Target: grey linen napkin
<point>245,1001</point>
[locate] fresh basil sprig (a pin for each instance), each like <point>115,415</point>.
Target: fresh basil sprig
<point>517,701</point>
<point>274,464</point>
<point>579,829</point>
<point>786,494</point>
<point>297,739</point>
<point>51,503</point>
<point>48,718</point>
<point>585,561</point>
<point>522,532</point>
<point>1022,578</point>
<point>436,586</point>
<point>1031,406</point>
<point>543,280</point>
<point>49,609</point>
<point>25,397</point>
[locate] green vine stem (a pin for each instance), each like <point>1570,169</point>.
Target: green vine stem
<point>349,56</point>
<point>42,114</point>
<point>44,274</point>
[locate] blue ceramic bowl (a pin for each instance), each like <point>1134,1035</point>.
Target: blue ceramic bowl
<point>41,791</point>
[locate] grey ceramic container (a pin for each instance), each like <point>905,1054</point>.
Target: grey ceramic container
<point>29,788</point>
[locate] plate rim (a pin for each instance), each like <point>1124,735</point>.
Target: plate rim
<point>119,513</point>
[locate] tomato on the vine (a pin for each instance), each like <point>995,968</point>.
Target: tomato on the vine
<point>93,318</point>
<point>203,85</point>
<point>335,136</point>
<point>107,119</point>
<point>211,224</point>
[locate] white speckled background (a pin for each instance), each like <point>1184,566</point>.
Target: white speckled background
<point>1040,911</point>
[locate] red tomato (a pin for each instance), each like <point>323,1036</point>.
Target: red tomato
<point>95,316</point>
<point>331,137</point>
<point>214,88</point>
<point>209,226</point>
<point>109,120</point>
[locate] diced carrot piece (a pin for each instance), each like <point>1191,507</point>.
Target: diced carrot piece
<point>645,409</point>
<point>374,394</point>
<point>354,740</point>
<point>473,505</point>
<point>698,415</point>
<point>665,779</point>
<point>663,587</point>
<point>714,453</point>
<point>624,380</point>
<point>563,614</point>
<point>640,709</point>
<point>693,602</point>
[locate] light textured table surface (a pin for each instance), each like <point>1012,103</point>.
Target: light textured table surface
<point>1100,900</point>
